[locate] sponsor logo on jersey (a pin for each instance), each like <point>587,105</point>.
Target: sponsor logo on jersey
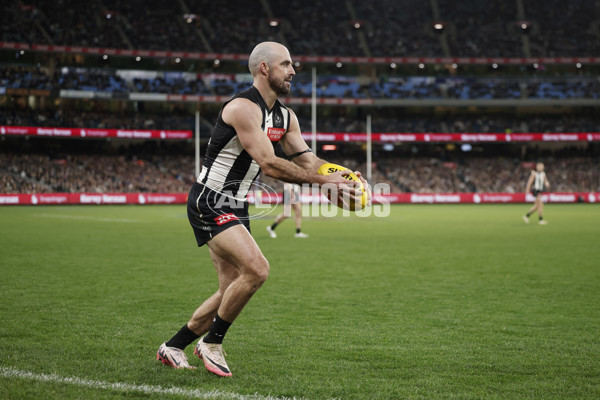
<point>275,134</point>
<point>225,218</point>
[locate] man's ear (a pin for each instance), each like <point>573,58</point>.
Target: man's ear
<point>264,68</point>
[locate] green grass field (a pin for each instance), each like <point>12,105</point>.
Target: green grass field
<point>432,302</point>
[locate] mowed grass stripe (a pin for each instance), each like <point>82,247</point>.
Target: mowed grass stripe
<point>88,218</point>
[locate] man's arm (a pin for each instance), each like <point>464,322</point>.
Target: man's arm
<point>246,118</point>
<point>546,182</point>
<point>293,142</point>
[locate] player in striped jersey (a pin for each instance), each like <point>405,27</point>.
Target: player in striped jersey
<point>537,184</point>
<point>291,201</point>
<point>241,145</point>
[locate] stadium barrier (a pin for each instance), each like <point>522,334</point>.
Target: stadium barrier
<point>92,198</point>
<point>456,137</point>
<point>322,137</point>
<point>94,133</point>
<point>302,58</point>
<point>393,198</point>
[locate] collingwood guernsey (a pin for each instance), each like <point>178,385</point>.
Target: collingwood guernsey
<point>227,168</point>
<point>539,181</point>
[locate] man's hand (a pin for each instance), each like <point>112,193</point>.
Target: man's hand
<point>346,192</point>
<point>366,186</point>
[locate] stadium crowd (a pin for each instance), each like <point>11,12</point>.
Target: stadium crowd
<point>438,28</point>
<point>477,28</point>
<point>386,122</point>
<point>414,87</point>
<point>110,173</point>
<point>391,121</point>
<point>461,123</point>
<point>25,78</point>
<point>73,173</point>
<point>175,120</point>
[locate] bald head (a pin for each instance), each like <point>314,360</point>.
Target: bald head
<point>267,52</point>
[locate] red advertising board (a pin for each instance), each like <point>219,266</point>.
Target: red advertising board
<point>455,137</point>
<point>485,198</point>
<point>393,198</point>
<point>94,133</point>
<point>321,137</point>
<point>92,198</point>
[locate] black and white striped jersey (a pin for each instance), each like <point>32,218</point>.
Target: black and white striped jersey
<point>227,168</point>
<point>539,181</point>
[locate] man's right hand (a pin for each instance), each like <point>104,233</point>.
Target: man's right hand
<point>345,190</point>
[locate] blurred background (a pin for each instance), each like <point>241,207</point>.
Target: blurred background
<point>413,67</point>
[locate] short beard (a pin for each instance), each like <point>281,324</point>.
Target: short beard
<point>278,86</point>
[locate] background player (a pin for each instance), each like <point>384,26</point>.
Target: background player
<point>291,201</point>
<point>537,184</point>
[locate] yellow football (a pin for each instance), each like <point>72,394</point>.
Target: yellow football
<point>329,168</point>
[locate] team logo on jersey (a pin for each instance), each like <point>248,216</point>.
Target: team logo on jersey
<point>275,134</point>
<point>277,119</point>
<point>225,218</point>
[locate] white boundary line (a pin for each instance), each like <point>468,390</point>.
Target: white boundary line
<point>7,372</point>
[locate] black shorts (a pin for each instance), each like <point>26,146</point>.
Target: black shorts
<point>536,192</point>
<point>210,212</point>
